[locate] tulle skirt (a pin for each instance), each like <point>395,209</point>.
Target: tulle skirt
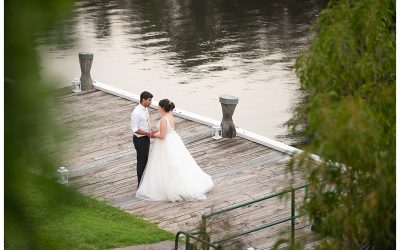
<point>172,174</point>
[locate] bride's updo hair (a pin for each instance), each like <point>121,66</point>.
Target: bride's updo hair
<point>167,105</point>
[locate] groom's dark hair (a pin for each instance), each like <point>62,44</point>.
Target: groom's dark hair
<point>145,95</point>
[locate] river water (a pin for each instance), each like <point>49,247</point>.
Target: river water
<point>192,52</point>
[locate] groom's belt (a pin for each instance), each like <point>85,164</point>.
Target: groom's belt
<point>137,135</point>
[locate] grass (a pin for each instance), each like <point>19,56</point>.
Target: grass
<point>58,217</point>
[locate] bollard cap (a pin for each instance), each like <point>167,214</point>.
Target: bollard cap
<point>86,55</point>
<point>228,99</point>
<point>62,170</point>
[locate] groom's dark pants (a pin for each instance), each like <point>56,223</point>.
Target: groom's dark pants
<point>142,146</point>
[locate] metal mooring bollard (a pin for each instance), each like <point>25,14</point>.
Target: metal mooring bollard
<point>228,104</point>
<point>85,60</point>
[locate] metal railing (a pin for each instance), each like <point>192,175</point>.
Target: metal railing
<point>205,239</point>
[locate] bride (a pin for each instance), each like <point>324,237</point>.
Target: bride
<point>171,173</point>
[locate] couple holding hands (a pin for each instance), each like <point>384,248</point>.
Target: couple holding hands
<point>168,172</point>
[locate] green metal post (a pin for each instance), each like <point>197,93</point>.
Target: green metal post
<point>207,238</point>
<point>187,243</point>
<point>292,220</point>
<point>177,240</point>
<point>203,231</point>
<point>203,228</point>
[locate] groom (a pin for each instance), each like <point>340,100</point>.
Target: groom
<point>142,132</point>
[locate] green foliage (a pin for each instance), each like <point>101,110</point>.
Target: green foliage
<point>348,75</point>
<point>65,219</point>
<point>30,133</point>
<point>39,213</point>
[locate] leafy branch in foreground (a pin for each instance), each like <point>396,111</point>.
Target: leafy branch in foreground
<point>348,74</point>
<point>39,213</point>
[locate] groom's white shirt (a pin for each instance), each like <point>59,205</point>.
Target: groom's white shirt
<point>139,120</point>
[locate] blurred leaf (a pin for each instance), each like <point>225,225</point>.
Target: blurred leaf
<point>348,75</point>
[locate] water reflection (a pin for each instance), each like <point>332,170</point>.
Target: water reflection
<point>199,43</point>
<point>200,31</point>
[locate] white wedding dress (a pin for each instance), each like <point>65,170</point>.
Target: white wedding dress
<point>171,173</point>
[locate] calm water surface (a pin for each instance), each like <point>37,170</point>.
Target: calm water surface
<point>191,51</point>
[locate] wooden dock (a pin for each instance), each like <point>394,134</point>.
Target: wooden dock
<point>102,162</point>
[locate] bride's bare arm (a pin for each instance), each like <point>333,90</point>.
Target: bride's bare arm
<point>163,127</point>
